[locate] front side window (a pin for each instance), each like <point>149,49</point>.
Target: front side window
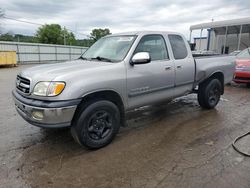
<point>178,46</point>
<point>245,54</point>
<point>112,48</point>
<point>154,45</point>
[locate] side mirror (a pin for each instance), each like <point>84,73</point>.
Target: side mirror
<point>140,58</point>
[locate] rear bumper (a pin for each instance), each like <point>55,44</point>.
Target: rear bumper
<point>242,77</point>
<point>47,114</point>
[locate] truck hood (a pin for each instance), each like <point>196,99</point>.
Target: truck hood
<point>50,71</point>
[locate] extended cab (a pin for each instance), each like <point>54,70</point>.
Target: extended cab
<point>118,73</point>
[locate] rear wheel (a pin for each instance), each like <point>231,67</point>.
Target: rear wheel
<point>209,93</point>
<point>96,124</point>
<point>248,85</point>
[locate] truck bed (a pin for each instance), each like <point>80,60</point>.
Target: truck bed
<point>207,65</point>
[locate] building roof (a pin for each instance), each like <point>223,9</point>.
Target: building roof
<point>241,21</point>
<point>219,26</point>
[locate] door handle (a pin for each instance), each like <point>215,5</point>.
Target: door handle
<point>179,66</point>
<point>167,67</point>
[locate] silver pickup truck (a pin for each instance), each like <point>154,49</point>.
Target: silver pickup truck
<point>118,73</point>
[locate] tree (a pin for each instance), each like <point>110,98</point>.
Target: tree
<point>54,34</point>
<point>85,42</point>
<point>99,33</point>
<point>7,37</point>
<point>24,38</point>
<point>70,38</point>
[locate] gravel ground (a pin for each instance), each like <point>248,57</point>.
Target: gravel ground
<point>171,145</point>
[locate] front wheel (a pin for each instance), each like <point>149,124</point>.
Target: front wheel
<point>209,93</point>
<point>96,124</point>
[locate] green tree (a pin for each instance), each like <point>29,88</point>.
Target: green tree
<point>24,38</point>
<point>70,38</point>
<point>54,34</point>
<point>99,33</point>
<point>85,42</point>
<point>7,37</point>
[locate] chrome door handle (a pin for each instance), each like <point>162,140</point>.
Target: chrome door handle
<point>167,67</point>
<point>179,67</point>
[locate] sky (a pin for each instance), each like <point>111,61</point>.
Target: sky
<point>118,15</point>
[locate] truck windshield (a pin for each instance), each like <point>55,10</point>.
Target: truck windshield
<point>110,49</point>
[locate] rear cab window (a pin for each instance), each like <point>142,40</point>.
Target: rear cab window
<point>178,46</point>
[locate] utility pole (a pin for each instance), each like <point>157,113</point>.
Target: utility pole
<point>76,29</point>
<point>64,37</point>
<point>1,16</point>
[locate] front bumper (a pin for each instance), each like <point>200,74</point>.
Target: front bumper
<point>242,77</point>
<point>48,114</point>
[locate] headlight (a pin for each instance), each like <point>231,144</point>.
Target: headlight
<point>48,88</point>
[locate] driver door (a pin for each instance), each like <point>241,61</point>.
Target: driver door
<point>154,81</point>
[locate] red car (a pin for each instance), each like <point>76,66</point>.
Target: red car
<point>242,72</point>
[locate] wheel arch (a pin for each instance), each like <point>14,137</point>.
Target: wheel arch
<point>216,75</point>
<point>109,95</point>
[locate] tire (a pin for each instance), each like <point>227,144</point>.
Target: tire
<point>96,124</point>
<point>209,93</point>
<point>248,85</point>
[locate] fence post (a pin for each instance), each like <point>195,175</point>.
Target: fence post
<point>70,52</point>
<point>56,52</point>
<point>39,56</point>
<point>18,53</point>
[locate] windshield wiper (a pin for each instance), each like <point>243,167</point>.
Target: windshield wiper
<point>102,59</point>
<point>83,58</point>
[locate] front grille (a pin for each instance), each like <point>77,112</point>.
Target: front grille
<point>23,84</point>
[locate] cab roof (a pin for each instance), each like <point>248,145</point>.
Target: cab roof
<point>145,33</point>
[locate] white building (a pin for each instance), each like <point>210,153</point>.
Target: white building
<point>233,34</point>
<point>201,43</point>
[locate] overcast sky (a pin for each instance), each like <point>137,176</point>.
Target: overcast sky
<point>119,15</point>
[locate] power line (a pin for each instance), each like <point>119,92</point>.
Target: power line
<point>9,18</point>
<point>33,23</point>
<point>78,33</point>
